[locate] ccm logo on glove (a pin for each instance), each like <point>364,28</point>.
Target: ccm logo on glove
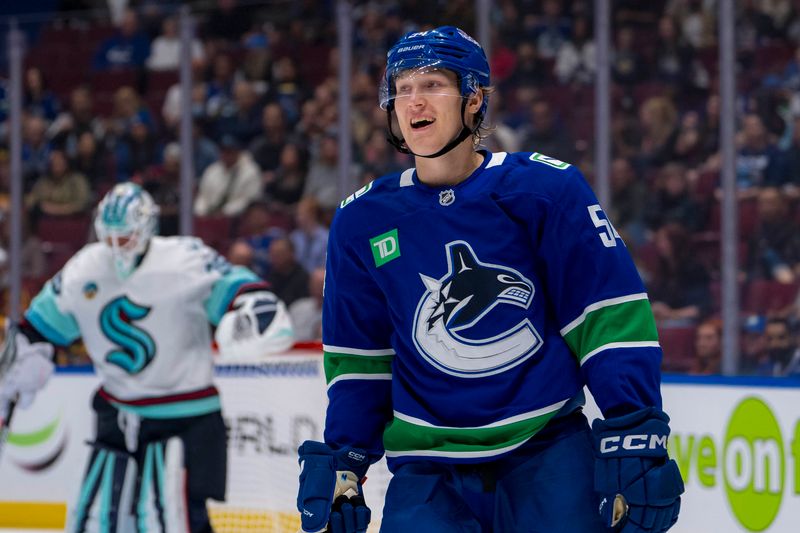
<point>633,442</point>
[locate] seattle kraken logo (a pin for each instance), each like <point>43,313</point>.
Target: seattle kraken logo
<point>137,347</point>
<point>460,300</point>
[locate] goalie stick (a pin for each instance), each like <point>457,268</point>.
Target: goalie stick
<point>5,428</point>
<point>7,358</point>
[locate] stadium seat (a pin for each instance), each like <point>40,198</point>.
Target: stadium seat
<point>678,346</point>
<point>111,80</point>
<point>748,217</point>
<point>72,230</point>
<point>766,296</point>
<point>57,254</point>
<point>159,81</point>
<point>715,288</point>
<point>706,183</point>
<point>214,230</point>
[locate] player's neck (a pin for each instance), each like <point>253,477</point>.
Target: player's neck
<point>451,168</point>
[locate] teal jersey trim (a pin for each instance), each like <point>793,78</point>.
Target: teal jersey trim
<point>224,291</point>
<point>183,409</point>
<point>160,476</point>
<point>144,491</point>
<point>107,491</point>
<point>88,485</point>
<point>45,316</point>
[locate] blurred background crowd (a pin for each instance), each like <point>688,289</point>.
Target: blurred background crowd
<point>102,105</point>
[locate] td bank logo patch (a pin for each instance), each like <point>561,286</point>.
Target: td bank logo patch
<point>385,247</point>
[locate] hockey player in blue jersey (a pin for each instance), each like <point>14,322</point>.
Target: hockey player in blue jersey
<point>467,302</point>
<point>142,305</point>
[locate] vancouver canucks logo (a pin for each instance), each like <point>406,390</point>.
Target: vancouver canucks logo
<point>136,346</point>
<point>455,304</point>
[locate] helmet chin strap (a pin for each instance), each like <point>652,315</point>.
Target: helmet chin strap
<point>401,146</point>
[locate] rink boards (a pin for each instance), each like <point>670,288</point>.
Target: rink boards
<point>736,440</point>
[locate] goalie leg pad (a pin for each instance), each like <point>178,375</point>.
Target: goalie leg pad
<point>161,499</point>
<point>106,495</point>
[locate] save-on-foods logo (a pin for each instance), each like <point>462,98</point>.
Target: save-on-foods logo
<point>751,463</point>
<point>40,448</point>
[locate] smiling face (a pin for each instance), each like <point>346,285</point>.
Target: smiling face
<point>428,108</point>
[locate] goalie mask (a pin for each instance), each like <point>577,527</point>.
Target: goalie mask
<point>444,48</point>
<point>127,217</point>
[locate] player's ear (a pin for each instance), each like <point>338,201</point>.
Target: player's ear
<point>475,101</point>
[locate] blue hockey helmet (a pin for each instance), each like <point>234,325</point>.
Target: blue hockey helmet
<point>127,217</point>
<point>446,47</point>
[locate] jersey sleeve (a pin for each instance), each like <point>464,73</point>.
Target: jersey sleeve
<point>357,351</point>
<point>231,280</point>
<point>48,316</point>
<point>598,298</point>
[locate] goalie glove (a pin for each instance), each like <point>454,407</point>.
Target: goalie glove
<point>330,497</point>
<point>30,366</point>
<point>257,325</point>
<point>638,484</point>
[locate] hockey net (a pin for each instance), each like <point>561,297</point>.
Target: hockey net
<point>270,407</point>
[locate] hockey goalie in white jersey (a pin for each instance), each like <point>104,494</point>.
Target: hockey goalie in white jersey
<point>142,305</point>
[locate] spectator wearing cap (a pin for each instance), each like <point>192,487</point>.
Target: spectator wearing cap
<point>128,48</point>
<point>228,186</point>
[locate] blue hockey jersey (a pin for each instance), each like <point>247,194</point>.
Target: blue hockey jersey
<point>458,320</point>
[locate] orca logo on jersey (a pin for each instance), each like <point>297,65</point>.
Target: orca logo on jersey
<point>452,309</point>
<point>137,347</point>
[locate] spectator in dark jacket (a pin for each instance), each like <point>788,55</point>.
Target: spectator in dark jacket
<point>774,250</point>
<point>288,278</point>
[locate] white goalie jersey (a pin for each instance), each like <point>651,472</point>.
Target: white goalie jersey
<point>148,335</point>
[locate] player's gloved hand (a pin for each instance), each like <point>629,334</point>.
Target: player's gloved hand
<point>330,497</point>
<point>29,372</point>
<point>639,485</point>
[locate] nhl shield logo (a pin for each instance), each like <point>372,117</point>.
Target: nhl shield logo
<point>447,197</point>
<point>449,327</point>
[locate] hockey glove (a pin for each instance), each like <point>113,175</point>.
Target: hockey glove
<point>638,484</point>
<point>330,497</point>
<point>32,367</point>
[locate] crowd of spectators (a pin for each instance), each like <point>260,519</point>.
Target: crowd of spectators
<point>102,105</point>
